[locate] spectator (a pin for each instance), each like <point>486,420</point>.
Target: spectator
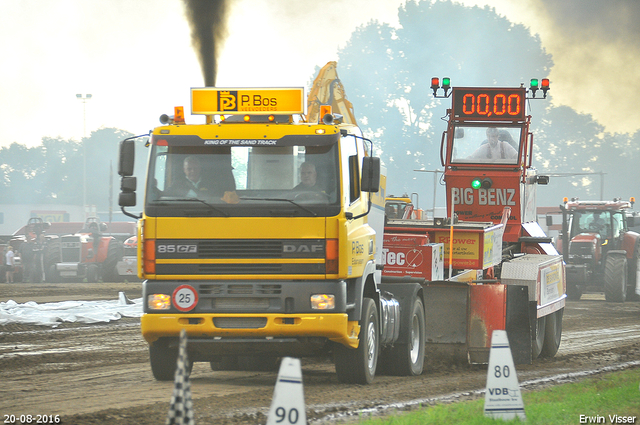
<point>10,264</point>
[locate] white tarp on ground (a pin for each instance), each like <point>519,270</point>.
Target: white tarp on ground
<point>53,314</point>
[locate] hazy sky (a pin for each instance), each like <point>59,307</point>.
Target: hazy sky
<point>136,60</point>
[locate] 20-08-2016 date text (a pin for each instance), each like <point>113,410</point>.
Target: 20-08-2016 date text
<point>31,419</point>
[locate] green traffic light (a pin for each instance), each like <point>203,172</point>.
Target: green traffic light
<point>446,82</point>
<point>534,83</point>
<point>476,184</point>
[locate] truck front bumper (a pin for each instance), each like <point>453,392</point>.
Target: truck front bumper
<point>268,327</point>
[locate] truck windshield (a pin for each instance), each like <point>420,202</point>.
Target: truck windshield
<point>296,180</point>
<point>486,144</point>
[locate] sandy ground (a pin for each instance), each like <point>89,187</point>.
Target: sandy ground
<point>99,373</point>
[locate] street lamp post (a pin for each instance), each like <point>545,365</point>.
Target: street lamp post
<point>84,99</point>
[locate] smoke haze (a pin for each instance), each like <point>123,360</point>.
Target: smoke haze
<point>208,22</point>
<point>596,51</point>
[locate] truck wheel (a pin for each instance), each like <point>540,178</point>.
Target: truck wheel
<point>538,341</point>
<point>359,366</point>
<point>408,359</point>
<point>552,334</point>
<point>115,251</point>
<point>574,292</point>
<point>163,360</point>
<point>615,278</point>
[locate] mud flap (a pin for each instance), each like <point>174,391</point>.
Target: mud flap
<point>460,319</point>
<point>446,307</point>
<point>518,324</point>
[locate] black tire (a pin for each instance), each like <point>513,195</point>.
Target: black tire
<point>552,334</point>
<point>574,292</point>
<point>634,275</point>
<point>114,254</point>
<point>92,273</point>
<point>52,257</point>
<point>163,360</point>
<point>538,340</point>
<point>359,366</point>
<point>52,275</point>
<point>615,278</point>
<point>407,359</point>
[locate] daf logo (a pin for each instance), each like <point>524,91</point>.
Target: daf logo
<point>289,249</point>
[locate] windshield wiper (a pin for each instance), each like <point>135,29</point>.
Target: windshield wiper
<point>282,200</point>
<point>213,207</point>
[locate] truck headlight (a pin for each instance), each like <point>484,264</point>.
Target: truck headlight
<point>323,301</point>
<point>159,302</point>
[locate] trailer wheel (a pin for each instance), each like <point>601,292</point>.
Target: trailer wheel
<point>163,359</point>
<point>553,334</point>
<point>615,278</point>
<point>359,366</point>
<point>408,359</point>
<point>538,341</point>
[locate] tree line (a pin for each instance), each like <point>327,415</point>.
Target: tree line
<point>386,72</point>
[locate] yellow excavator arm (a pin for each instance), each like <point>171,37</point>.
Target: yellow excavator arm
<point>328,90</point>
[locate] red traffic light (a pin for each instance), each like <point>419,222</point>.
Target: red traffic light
<point>435,83</point>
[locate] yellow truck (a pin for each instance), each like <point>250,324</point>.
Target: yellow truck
<point>263,234</point>
<point>258,235</point>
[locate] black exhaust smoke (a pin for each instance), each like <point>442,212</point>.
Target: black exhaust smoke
<point>208,22</point>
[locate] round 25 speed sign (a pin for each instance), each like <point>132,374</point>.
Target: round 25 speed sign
<point>185,298</point>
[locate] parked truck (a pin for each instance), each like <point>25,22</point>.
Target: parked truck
<point>262,230</point>
<point>600,249</point>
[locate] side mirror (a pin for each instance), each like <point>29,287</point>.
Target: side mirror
<point>370,174</point>
<point>127,157</point>
<point>549,221</point>
<point>127,196</point>
<point>631,221</point>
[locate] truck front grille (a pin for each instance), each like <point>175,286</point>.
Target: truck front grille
<point>240,249</point>
<point>240,322</point>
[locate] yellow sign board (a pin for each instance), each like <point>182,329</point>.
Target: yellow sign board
<point>466,248</point>
<point>214,101</point>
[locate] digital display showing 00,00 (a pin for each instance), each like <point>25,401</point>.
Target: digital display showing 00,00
<point>489,103</point>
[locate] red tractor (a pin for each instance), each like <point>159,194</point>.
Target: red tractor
<point>602,253</point>
<point>86,254</point>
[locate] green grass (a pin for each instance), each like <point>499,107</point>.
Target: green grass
<point>603,395</point>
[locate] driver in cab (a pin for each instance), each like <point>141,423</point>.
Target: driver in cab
<point>598,223</point>
<point>308,178</point>
<point>494,148</point>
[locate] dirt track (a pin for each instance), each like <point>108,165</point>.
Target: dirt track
<point>95,374</point>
